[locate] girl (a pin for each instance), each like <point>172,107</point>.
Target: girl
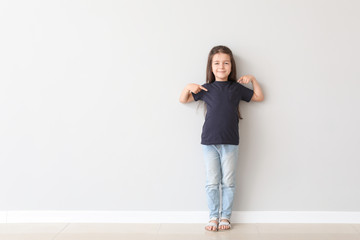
<point>221,93</point>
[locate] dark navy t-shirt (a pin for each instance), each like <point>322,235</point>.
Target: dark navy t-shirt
<point>222,99</point>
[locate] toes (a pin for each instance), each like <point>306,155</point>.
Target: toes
<point>211,228</point>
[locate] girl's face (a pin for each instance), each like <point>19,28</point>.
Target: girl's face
<point>221,66</point>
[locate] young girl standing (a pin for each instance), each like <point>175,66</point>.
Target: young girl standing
<point>221,93</point>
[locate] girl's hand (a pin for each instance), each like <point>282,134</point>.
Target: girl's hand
<point>246,79</point>
<point>195,88</point>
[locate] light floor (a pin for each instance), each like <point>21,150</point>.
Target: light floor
<point>118,231</point>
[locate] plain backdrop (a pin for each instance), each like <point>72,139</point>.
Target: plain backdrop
<point>90,117</point>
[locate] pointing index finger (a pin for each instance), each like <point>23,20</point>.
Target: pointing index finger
<point>203,88</point>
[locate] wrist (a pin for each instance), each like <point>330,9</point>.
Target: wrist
<point>189,87</point>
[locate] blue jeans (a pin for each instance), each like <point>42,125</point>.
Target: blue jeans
<point>220,165</point>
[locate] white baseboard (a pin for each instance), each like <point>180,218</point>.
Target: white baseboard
<point>174,217</point>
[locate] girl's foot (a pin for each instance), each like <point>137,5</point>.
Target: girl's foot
<point>212,225</point>
<point>224,224</point>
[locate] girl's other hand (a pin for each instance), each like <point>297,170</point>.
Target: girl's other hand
<point>195,88</point>
<point>246,79</point>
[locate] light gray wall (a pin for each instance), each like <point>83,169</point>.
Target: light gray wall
<point>90,118</point>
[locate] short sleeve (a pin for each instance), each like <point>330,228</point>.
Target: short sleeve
<point>245,93</point>
<point>199,95</point>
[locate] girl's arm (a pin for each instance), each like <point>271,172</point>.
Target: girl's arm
<point>186,95</point>
<point>258,95</point>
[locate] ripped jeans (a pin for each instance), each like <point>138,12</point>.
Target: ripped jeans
<point>220,166</point>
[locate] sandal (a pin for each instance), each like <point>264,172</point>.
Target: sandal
<point>212,224</point>
<point>225,223</point>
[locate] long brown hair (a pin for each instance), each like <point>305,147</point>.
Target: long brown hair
<point>210,77</point>
<point>220,49</point>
